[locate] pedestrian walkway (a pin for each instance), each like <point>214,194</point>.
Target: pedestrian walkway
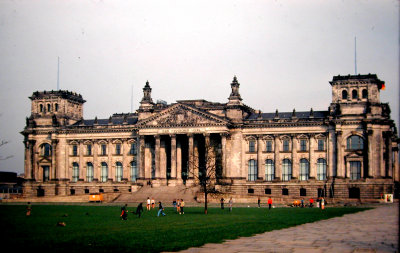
<point>375,230</point>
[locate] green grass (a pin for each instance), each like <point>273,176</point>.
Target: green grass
<point>103,230</point>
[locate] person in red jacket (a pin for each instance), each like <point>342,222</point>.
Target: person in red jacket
<point>269,203</point>
<point>311,202</point>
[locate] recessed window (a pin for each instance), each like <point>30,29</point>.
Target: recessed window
<point>132,151</point>
<point>86,191</point>
<point>355,142</point>
<point>252,146</point>
<point>118,149</point>
<point>75,172</point>
<point>303,145</point>
<point>253,170</point>
<point>75,150</point>
<point>304,169</point>
<point>321,169</point>
<point>286,170</point>
<point>286,146</point>
<point>118,176</point>
<point>250,190</point>
<point>269,170</point>
<point>321,145</point>
<point>354,193</point>
<point>364,93</point>
<point>89,172</point>
<point>267,191</point>
<point>355,170</point>
<point>269,146</point>
<point>354,94</point>
<point>89,149</point>
<point>285,191</point>
<point>344,94</point>
<point>134,172</point>
<point>104,172</point>
<point>103,149</point>
<point>303,192</point>
<point>72,191</point>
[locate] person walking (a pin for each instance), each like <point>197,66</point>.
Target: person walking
<point>160,209</point>
<point>259,202</point>
<point>148,204</point>
<point>302,203</point>
<point>269,203</point>
<point>153,203</point>
<point>230,204</point>
<point>28,209</point>
<point>139,209</point>
<point>222,203</point>
<point>124,212</point>
<point>311,202</point>
<point>182,206</point>
<point>178,206</point>
<point>174,204</point>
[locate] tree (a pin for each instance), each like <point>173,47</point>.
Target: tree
<point>204,168</point>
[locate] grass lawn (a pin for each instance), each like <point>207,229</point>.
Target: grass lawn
<point>100,229</point>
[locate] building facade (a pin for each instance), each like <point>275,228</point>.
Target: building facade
<point>348,151</point>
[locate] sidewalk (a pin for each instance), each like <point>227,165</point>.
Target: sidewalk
<point>375,230</point>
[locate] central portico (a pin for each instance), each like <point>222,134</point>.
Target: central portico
<point>171,140</point>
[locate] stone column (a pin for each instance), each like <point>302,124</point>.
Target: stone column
<point>28,160</point>
<point>223,143</point>
<point>126,172</point>
<point>370,151</point>
<point>330,145</point>
<point>295,161</point>
<point>178,161</point>
<point>261,172</point>
<point>278,171</point>
<point>142,149</point>
<point>389,151</point>
<point>396,164</point>
<point>191,168</point>
<point>173,157</point>
<point>157,156</point>
<point>81,165</point>
<point>96,165</point>
<point>110,163</point>
<point>339,153</point>
<point>163,160</point>
<point>313,169</point>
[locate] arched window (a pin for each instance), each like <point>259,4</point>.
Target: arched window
<point>354,94</point>
<point>118,172</point>
<point>75,172</point>
<point>104,172</point>
<point>46,173</point>
<point>41,108</point>
<point>355,142</point>
<point>364,93</point>
<point>286,170</point>
<point>303,145</point>
<point>321,169</point>
<point>48,107</point>
<point>46,149</point>
<point>269,170</point>
<point>89,172</point>
<point>132,151</point>
<point>304,169</point>
<point>253,170</point>
<point>344,94</point>
<point>134,172</point>
<point>56,107</point>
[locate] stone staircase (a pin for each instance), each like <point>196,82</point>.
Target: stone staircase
<point>165,194</point>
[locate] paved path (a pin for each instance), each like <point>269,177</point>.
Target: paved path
<point>375,230</point>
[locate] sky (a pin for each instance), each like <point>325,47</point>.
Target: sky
<point>284,53</point>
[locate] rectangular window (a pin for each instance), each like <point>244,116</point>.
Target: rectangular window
<point>252,146</point>
<point>75,150</point>
<point>321,145</point>
<point>103,149</point>
<point>89,149</point>
<point>118,149</point>
<point>303,145</point>
<point>285,145</point>
<point>269,146</point>
<point>132,151</point>
<point>355,170</point>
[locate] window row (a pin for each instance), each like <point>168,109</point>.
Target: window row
<point>355,94</point>
<point>104,172</point>
<point>287,145</point>
<point>48,107</point>
<point>287,170</point>
<point>103,149</point>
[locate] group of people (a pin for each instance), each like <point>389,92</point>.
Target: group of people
<point>230,203</point>
<point>151,203</point>
<point>124,211</point>
<point>179,205</point>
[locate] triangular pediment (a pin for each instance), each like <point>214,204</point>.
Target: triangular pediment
<point>181,115</point>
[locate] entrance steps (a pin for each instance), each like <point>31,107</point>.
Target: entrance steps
<point>165,194</point>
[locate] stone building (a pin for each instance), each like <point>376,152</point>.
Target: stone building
<point>348,151</point>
